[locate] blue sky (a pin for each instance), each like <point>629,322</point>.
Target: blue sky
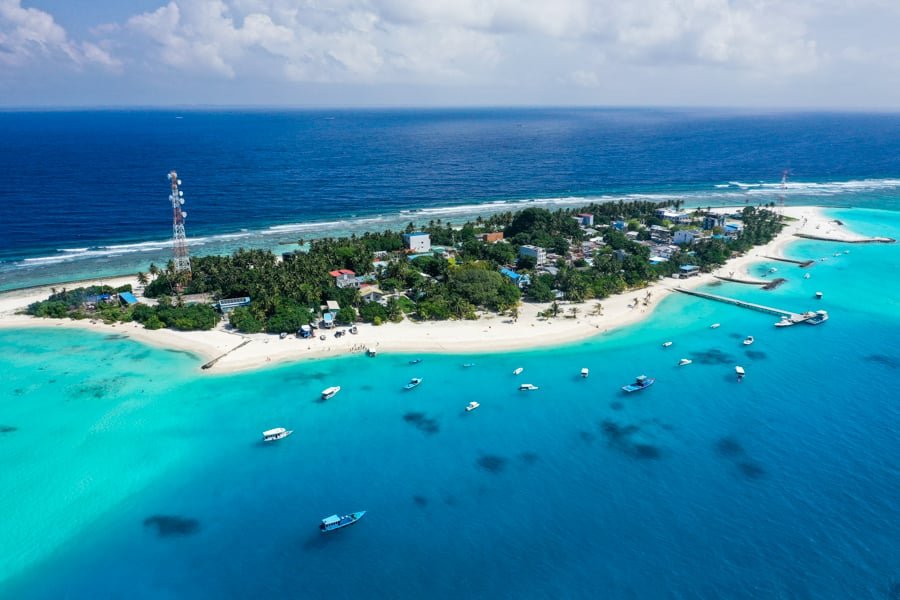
<point>756,53</point>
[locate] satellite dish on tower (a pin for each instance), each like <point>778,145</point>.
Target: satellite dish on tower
<point>179,182</point>
<point>183,215</point>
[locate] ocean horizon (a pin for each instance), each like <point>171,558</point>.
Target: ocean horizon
<point>125,470</point>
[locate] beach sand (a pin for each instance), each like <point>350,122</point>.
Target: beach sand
<point>490,333</point>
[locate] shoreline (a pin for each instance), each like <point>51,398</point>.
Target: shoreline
<point>488,334</point>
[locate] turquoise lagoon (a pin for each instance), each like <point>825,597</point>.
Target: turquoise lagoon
<point>128,473</point>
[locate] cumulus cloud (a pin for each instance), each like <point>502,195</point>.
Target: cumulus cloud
<point>29,34</point>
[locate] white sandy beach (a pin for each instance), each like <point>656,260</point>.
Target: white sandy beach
<point>491,333</point>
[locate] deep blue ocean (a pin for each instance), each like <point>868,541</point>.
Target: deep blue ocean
<point>85,193</point>
<point>125,471</point>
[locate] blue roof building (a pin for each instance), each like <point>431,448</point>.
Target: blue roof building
<point>520,279</point>
<point>128,298</point>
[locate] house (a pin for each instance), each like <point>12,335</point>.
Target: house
<point>688,271</point>
<point>665,251</point>
<point>655,260</point>
<point>345,278</point>
<point>632,235</point>
<point>619,225</point>
<point>520,279</point>
<point>494,236</point>
<point>678,218</point>
<point>127,298</point>
<point>229,304</point>
<point>332,306</point>
<point>660,234</point>
<point>586,219</point>
<point>371,293</point>
<point>712,221</point>
<point>686,236</point>
<point>417,241</point>
<point>539,254</point>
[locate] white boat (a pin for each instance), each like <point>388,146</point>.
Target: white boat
<point>684,361</point>
<point>837,253</point>
<point>740,372</point>
<point>714,326</point>
<point>806,276</point>
<point>748,340</point>
<point>585,372</point>
<point>527,387</point>
<point>276,434</point>
<point>518,371</point>
<point>772,270</point>
<point>330,392</point>
<point>818,295</point>
<point>472,406</point>
<point>666,344</point>
<point>784,322</point>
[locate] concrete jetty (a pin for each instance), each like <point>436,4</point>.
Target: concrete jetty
<point>799,263</point>
<point>862,240</point>
<point>791,315</point>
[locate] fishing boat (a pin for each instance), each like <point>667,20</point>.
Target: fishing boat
<point>641,382</point>
<point>415,361</point>
<point>412,383</point>
<point>818,295</point>
<point>784,322</point>
<point>467,365</point>
<point>715,326</point>
<point>335,522</point>
<point>684,361</point>
<point>330,392</point>
<point>666,344</point>
<point>518,371</point>
<point>748,340</point>
<point>527,387</point>
<point>740,372</point>
<point>585,372</point>
<point>277,433</point>
<point>472,406</point>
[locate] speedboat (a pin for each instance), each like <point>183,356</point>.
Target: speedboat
<point>335,522</point>
<point>518,371</point>
<point>415,361</point>
<point>666,344</point>
<point>714,326</point>
<point>527,387</point>
<point>816,318</point>
<point>278,433</point>
<point>784,322</point>
<point>472,406</point>
<point>412,383</point>
<point>641,382</point>
<point>467,365</point>
<point>748,340</point>
<point>818,295</point>
<point>684,361</point>
<point>740,372</point>
<point>585,372</point>
<point>330,392</point>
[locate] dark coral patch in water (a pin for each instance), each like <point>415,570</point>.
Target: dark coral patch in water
<point>492,463</point>
<point>422,422</point>
<point>169,526</point>
<point>620,438</point>
<point>644,451</point>
<point>888,361</point>
<point>185,352</point>
<point>529,458</point>
<point>367,388</point>
<point>18,391</point>
<point>420,501</point>
<point>756,354</point>
<point>116,336</point>
<point>8,428</point>
<point>713,356</point>
<point>586,436</point>
<point>615,432</point>
<point>751,470</point>
<point>893,591</point>
<point>616,405</point>
<point>728,446</point>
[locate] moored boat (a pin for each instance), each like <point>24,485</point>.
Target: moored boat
<point>740,372</point>
<point>784,322</point>
<point>748,340</point>
<point>467,365</point>
<point>412,383</point>
<point>330,392</point>
<point>527,387</point>
<point>472,406</point>
<point>585,372</point>
<point>806,276</point>
<point>816,318</point>
<point>278,433</point>
<point>666,344</point>
<point>415,361</point>
<point>518,371</point>
<point>818,295</point>
<point>714,326</point>
<point>641,382</point>
<point>335,522</point>
<point>684,361</point>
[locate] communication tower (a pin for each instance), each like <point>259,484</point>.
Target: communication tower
<point>182,258</point>
<point>784,178</point>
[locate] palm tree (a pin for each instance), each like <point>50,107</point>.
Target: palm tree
<point>554,308</point>
<point>142,278</point>
<point>598,310</point>
<point>574,312</point>
<point>514,313</point>
<point>154,270</point>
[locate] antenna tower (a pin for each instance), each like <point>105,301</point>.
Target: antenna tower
<point>182,258</point>
<point>784,177</point>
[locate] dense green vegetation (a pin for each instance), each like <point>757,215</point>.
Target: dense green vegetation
<point>287,294</point>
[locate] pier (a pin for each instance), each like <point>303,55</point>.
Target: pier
<point>863,240</point>
<point>791,315</point>
<point>211,363</point>
<point>799,263</point>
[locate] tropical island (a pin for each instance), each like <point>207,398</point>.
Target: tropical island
<point>434,273</point>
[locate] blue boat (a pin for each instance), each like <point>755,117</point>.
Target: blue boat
<point>335,522</point>
<point>412,383</point>
<point>640,383</point>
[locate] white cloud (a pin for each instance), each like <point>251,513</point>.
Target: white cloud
<point>28,35</point>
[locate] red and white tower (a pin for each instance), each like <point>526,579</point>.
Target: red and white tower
<point>182,258</point>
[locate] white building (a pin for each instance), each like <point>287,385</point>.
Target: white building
<point>538,254</point>
<point>686,236</point>
<point>678,218</point>
<point>418,241</point>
